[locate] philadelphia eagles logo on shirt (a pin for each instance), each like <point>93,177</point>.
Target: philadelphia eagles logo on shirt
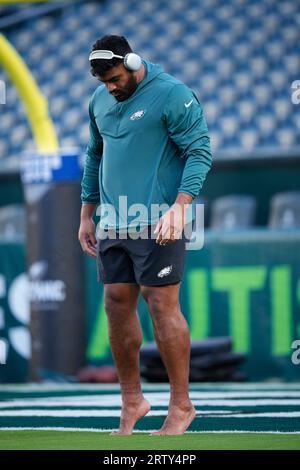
<point>138,115</point>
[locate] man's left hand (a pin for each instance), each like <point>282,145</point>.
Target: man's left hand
<point>171,224</point>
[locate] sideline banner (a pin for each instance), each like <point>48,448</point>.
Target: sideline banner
<point>243,285</point>
<point>14,314</point>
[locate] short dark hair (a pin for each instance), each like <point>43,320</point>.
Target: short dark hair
<point>117,44</point>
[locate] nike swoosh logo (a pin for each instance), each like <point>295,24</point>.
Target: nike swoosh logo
<point>187,105</point>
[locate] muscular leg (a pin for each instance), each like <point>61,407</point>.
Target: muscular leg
<point>125,339</point>
<point>172,337</point>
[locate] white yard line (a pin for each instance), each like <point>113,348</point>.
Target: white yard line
<point>116,402</point>
<point>73,387</point>
<point>161,396</point>
<point>113,413</point>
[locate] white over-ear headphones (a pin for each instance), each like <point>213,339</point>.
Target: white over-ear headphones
<point>131,60</point>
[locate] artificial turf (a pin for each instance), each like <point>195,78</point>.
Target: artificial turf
<point>58,440</point>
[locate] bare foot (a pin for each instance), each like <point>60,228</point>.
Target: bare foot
<point>178,420</point>
<point>131,413</point>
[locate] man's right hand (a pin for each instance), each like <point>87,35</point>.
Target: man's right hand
<point>86,234</point>
<point>87,237</point>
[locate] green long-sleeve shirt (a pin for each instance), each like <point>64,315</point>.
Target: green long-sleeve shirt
<point>146,148</point>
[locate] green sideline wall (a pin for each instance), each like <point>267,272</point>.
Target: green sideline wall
<point>243,285</point>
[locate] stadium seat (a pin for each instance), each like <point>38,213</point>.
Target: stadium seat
<point>12,223</point>
<point>233,212</point>
<point>285,210</point>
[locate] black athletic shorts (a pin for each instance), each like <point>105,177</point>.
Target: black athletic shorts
<point>140,261</point>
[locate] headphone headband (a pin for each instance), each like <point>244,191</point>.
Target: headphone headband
<point>103,54</point>
<point>131,60</point>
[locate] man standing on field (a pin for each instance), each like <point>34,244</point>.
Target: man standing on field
<point>148,143</point>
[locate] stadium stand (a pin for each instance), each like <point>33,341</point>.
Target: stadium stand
<point>240,57</point>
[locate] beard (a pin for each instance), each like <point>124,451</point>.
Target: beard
<point>127,91</point>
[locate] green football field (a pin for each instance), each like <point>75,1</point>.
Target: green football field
<point>229,416</point>
<point>61,440</point>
